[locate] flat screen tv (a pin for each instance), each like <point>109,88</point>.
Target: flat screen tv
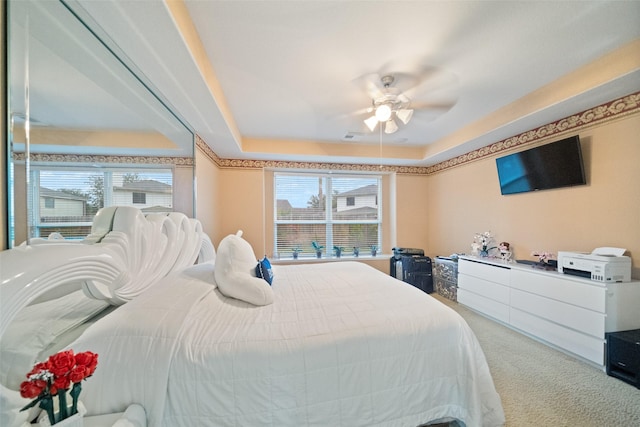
<point>555,165</point>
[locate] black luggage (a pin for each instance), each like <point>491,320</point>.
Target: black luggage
<point>413,269</point>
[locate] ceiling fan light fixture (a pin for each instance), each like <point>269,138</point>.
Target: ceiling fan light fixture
<point>371,122</point>
<point>383,113</point>
<point>390,126</point>
<point>404,115</point>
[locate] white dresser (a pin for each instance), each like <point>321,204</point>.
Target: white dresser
<point>568,312</point>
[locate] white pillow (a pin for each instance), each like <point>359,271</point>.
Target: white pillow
<point>235,272</point>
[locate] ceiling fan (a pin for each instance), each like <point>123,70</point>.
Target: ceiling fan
<point>388,104</point>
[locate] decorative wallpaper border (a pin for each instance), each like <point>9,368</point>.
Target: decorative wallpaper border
<point>127,160</point>
<point>615,109</point>
<point>594,116</point>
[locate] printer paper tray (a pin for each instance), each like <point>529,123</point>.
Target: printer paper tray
<point>574,272</point>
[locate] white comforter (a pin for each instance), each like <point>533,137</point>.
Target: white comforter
<point>342,345</point>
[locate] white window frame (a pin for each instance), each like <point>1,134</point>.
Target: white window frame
<point>329,221</point>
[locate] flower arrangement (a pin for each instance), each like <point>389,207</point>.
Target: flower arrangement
<point>543,257</point>
<point>54,377</point>
<point>482,242</point>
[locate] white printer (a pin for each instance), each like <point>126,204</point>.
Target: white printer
<point>603,264</point>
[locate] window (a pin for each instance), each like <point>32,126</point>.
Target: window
<point>65,199</point>
<point>333,210</point>
<point>139,198</point>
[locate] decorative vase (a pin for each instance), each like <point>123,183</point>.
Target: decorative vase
<point>295,255</point>
<point>72,421</point>
<point>484,253</point>
<point>374,252</point>
<point>318,254</point>
<point>75,420</point>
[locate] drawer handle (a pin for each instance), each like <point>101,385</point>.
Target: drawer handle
<point>624,365</point>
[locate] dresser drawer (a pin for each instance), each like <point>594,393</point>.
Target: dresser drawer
<point>484,271</point>
<point>591,297</point>
<point>487,289</point>
<point>583,320</point>
<point>586,346</point>
<point>484,305</point>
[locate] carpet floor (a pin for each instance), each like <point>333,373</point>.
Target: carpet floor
<point>541,386</point>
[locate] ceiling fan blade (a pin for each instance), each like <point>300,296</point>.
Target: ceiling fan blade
<point>422,79</point>
<point>443,106</point>
<point>403,98</point>
<point>360,112</point>
<point>370,84</point>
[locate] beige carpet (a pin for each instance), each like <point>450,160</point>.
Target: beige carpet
<point>541,386</point>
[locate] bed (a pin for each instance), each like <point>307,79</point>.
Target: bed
<point>338,344</point>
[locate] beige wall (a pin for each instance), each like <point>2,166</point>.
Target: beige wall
<point>441,212</point>
<point>413,208</point>
<point>206,183</point>
<point>240,206</point>
<point>605,212</point>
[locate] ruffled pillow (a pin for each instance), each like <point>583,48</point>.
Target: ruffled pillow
<point>235,272</point>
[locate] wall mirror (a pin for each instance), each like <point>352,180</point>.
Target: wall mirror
<point>86,129</point>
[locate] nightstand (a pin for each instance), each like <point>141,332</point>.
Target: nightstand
<point>623,356</point>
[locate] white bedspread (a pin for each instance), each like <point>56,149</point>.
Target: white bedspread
<point>342,345</point>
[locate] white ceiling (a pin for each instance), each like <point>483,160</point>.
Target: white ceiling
<point>277,80</point>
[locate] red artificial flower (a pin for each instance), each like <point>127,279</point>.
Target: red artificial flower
<point>88,360</point>
<point>62,382</point>
<point>77,374</point>
<point>60,364</point>
<point>31,389</point>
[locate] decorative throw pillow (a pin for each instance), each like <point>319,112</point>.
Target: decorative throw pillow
<point>264,270</point>
<point>235,272</point>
